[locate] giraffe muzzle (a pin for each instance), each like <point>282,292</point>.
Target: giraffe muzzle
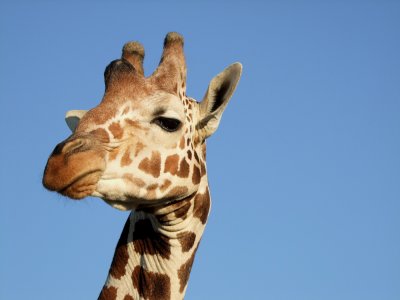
<point>74,168</point>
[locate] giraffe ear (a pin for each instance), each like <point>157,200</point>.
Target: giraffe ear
<point>73,117</point>
<point>218,94</point>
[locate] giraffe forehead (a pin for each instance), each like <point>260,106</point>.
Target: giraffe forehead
<point>157,104</point>
<point>160,103</point>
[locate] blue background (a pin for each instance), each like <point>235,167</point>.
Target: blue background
<point>304,169</point>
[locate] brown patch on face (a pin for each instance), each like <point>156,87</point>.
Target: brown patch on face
<point>165,185</point>
<point>101,113</point>
<point>182,143</point>
<point>171,164</point>
<point>128,297</point>
<point>153,165</point>
<point>126,110</point>
<point>151,191</point>
<point>136,181</point>
<point>189,154</point>
<point>139,147</point>
<point>116,130</point>
<point>202,206</point>
<point>151,285</point>
<point>184,169</point>
<point>148,241</point>
<point>152,187</point>
<point>177,192</point>
<point>151,195</point>
<point>132,123</point>
<point>196,175</point>
<point>120,259</point>
<point>184,272</point>
<point>108,293</point>
<point>186,239</point>
<point>101,134</point>
<point>126,159</point>
<point>112,155</point>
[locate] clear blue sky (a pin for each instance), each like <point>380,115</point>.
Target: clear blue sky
<point>304,169</point>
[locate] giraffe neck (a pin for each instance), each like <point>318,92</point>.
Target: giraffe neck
<point>155,252</point>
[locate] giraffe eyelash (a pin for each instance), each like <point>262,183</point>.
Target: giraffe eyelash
<point>168,124</point>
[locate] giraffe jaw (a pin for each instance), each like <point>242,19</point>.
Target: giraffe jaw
<point>115,193</point>
<point>121,205</point>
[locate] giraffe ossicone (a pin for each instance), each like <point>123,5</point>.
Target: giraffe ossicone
<point>143,149</point>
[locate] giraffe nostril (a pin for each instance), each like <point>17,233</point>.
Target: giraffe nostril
<point>58,149</point>
<point>69,146</point>
<point>74,146</point>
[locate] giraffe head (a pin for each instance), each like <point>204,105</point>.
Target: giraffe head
<point>144,144</point>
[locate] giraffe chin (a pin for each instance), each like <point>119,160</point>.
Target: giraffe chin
<point>83,186</point>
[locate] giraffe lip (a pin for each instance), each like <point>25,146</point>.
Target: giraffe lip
<point>82,185</point>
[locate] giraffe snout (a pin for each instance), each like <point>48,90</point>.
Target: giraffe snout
<point>74,167</point>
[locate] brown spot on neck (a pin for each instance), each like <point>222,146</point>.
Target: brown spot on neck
<point>151,285</point>
<point>203,168</point>
<point>172,211</point>
<point>196,175</point>
<point>182,211</point>
<point>186,239</point>
<point>184,272</point>
<point>120,259</point>
<point>148,241</point>
<point>177,192</point>
<point>108,293</point>
<point>196,157</point>
<point>202,205</point>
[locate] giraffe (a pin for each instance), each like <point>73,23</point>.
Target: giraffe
<point>143,149</point>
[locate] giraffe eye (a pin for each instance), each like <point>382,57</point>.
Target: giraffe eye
<point>168,124</point>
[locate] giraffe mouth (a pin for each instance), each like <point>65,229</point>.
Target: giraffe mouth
<point>74,174</point>
<point>82,186</point>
